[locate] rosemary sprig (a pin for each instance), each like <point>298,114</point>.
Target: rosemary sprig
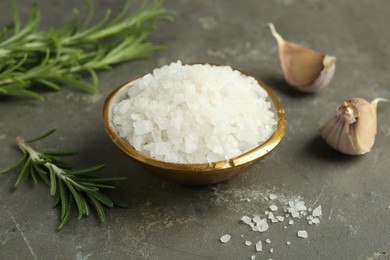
<point>70,186</point>
<point>29,57</point>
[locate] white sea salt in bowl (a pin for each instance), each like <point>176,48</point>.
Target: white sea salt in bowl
<point>195,124</point>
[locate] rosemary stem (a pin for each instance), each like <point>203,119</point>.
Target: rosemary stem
<point>27,148</point>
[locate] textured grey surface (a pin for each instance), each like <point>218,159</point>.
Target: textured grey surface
<point>169,221</point>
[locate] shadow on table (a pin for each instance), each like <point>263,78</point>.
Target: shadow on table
<point>278,84</point>
<point>141,187</point>
<point>317,147</point>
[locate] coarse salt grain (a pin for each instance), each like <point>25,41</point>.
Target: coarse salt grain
<point>273,208</point>
<point>259,246</point>
<point>191,114</point>
<point>248,243</point>
<point>246,220</point>
<point>256,218</point>
<point>302,233</point>
<point>262,225</point>
<point>272,196</point>
<point>268,241</point>
<point>317,212</point>
<point>225,238</point>
<point>315,221</point>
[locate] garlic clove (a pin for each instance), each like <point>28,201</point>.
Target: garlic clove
<point>304,69</point>
<point>351,129</point>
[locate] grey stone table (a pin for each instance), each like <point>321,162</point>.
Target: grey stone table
<point>170,221</point>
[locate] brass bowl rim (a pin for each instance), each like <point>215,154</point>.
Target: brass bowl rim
<point>247,157</point>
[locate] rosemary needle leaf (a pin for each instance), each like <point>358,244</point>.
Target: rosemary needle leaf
<point>86,170</point>
<point>60,153</point>
<point>15,166</point>
<point>99,208</point>
<point>64,199</point>
<point>83,187</point>
<point>104,199</point>
<point>61,164</point>
<point>53,182</point>
<point>69,185</point>
<point>120,204</point>
<point>15,14</point>
<point>32,173</point>
<point>76,197</point>
<point>22,173</point>
<point>103,180</point>
<point>49,84</point>
<point>56,202</point>
<point>17,91</point>
<point>97,185</point>
<point>66,216</point>
<point>86,207</point>
<point>48,133</point>
<point>42,174</point>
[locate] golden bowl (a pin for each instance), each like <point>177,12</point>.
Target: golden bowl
<point>200,173</point>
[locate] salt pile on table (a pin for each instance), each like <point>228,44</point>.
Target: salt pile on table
<point>194,114</point>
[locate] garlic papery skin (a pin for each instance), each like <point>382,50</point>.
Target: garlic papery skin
<point>351,129</point>
<point>304,69</point>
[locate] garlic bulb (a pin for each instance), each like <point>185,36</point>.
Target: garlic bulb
<point>304,69</point>
<point>351,129</point>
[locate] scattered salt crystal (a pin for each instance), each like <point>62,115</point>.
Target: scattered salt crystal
<point>302,233</point>
<point>246,220</point>
<point>253,257</point>
<point>273,208</point>
<point>295,208</point>
<point>317,212</point>
<point>300,206</point>
<point>272,196</point>
<point>259,246</point>
<point>262,225</point>
<point>225,238</point>
<point>315,220</point>
<point>256,219</point>
<point>295,214</point>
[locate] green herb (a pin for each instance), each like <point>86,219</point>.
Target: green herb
<point>30,58</point>
<point>70,186</point>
